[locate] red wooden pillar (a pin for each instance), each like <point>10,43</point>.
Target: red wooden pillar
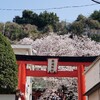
<point>81,83</point>
<point>83,80</point>
<point>22,78</point>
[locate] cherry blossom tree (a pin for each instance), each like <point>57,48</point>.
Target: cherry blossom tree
<point>63,45</point>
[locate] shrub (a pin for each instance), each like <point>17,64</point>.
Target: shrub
<point>8,67</point>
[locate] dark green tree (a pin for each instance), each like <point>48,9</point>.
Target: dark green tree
<point>28,17</point>
<point>81,18</point>
<point>46,18</point>
<point>41,20</point>
<point>92,24</point>
<point>95,37</point>
<point>8,67</point>
<point>95,15</point>
<point>77,28</point>
<point>83,25</point>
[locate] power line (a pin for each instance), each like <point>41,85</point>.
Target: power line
<point>98,2</point>
<point>64,7</point>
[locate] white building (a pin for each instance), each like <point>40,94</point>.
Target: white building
<point>93,80</point>
<point>25,50</point>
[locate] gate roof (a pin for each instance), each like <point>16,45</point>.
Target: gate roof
<point>60,58</point>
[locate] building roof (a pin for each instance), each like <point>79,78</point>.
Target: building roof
<point>94,88</point>
<point>94,62</point>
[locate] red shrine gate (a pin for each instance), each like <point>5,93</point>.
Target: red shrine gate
<point>52,70</point>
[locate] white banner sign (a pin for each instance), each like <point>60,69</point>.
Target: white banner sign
<point>52,65</point>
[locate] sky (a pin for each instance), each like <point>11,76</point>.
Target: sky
<point>65,14</point>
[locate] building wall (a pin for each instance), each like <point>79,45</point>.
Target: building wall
<point>93,75</point>
<point>25,50</point>
<point>22,49</point>
<point>7,97</point>
<point>95,95</point>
